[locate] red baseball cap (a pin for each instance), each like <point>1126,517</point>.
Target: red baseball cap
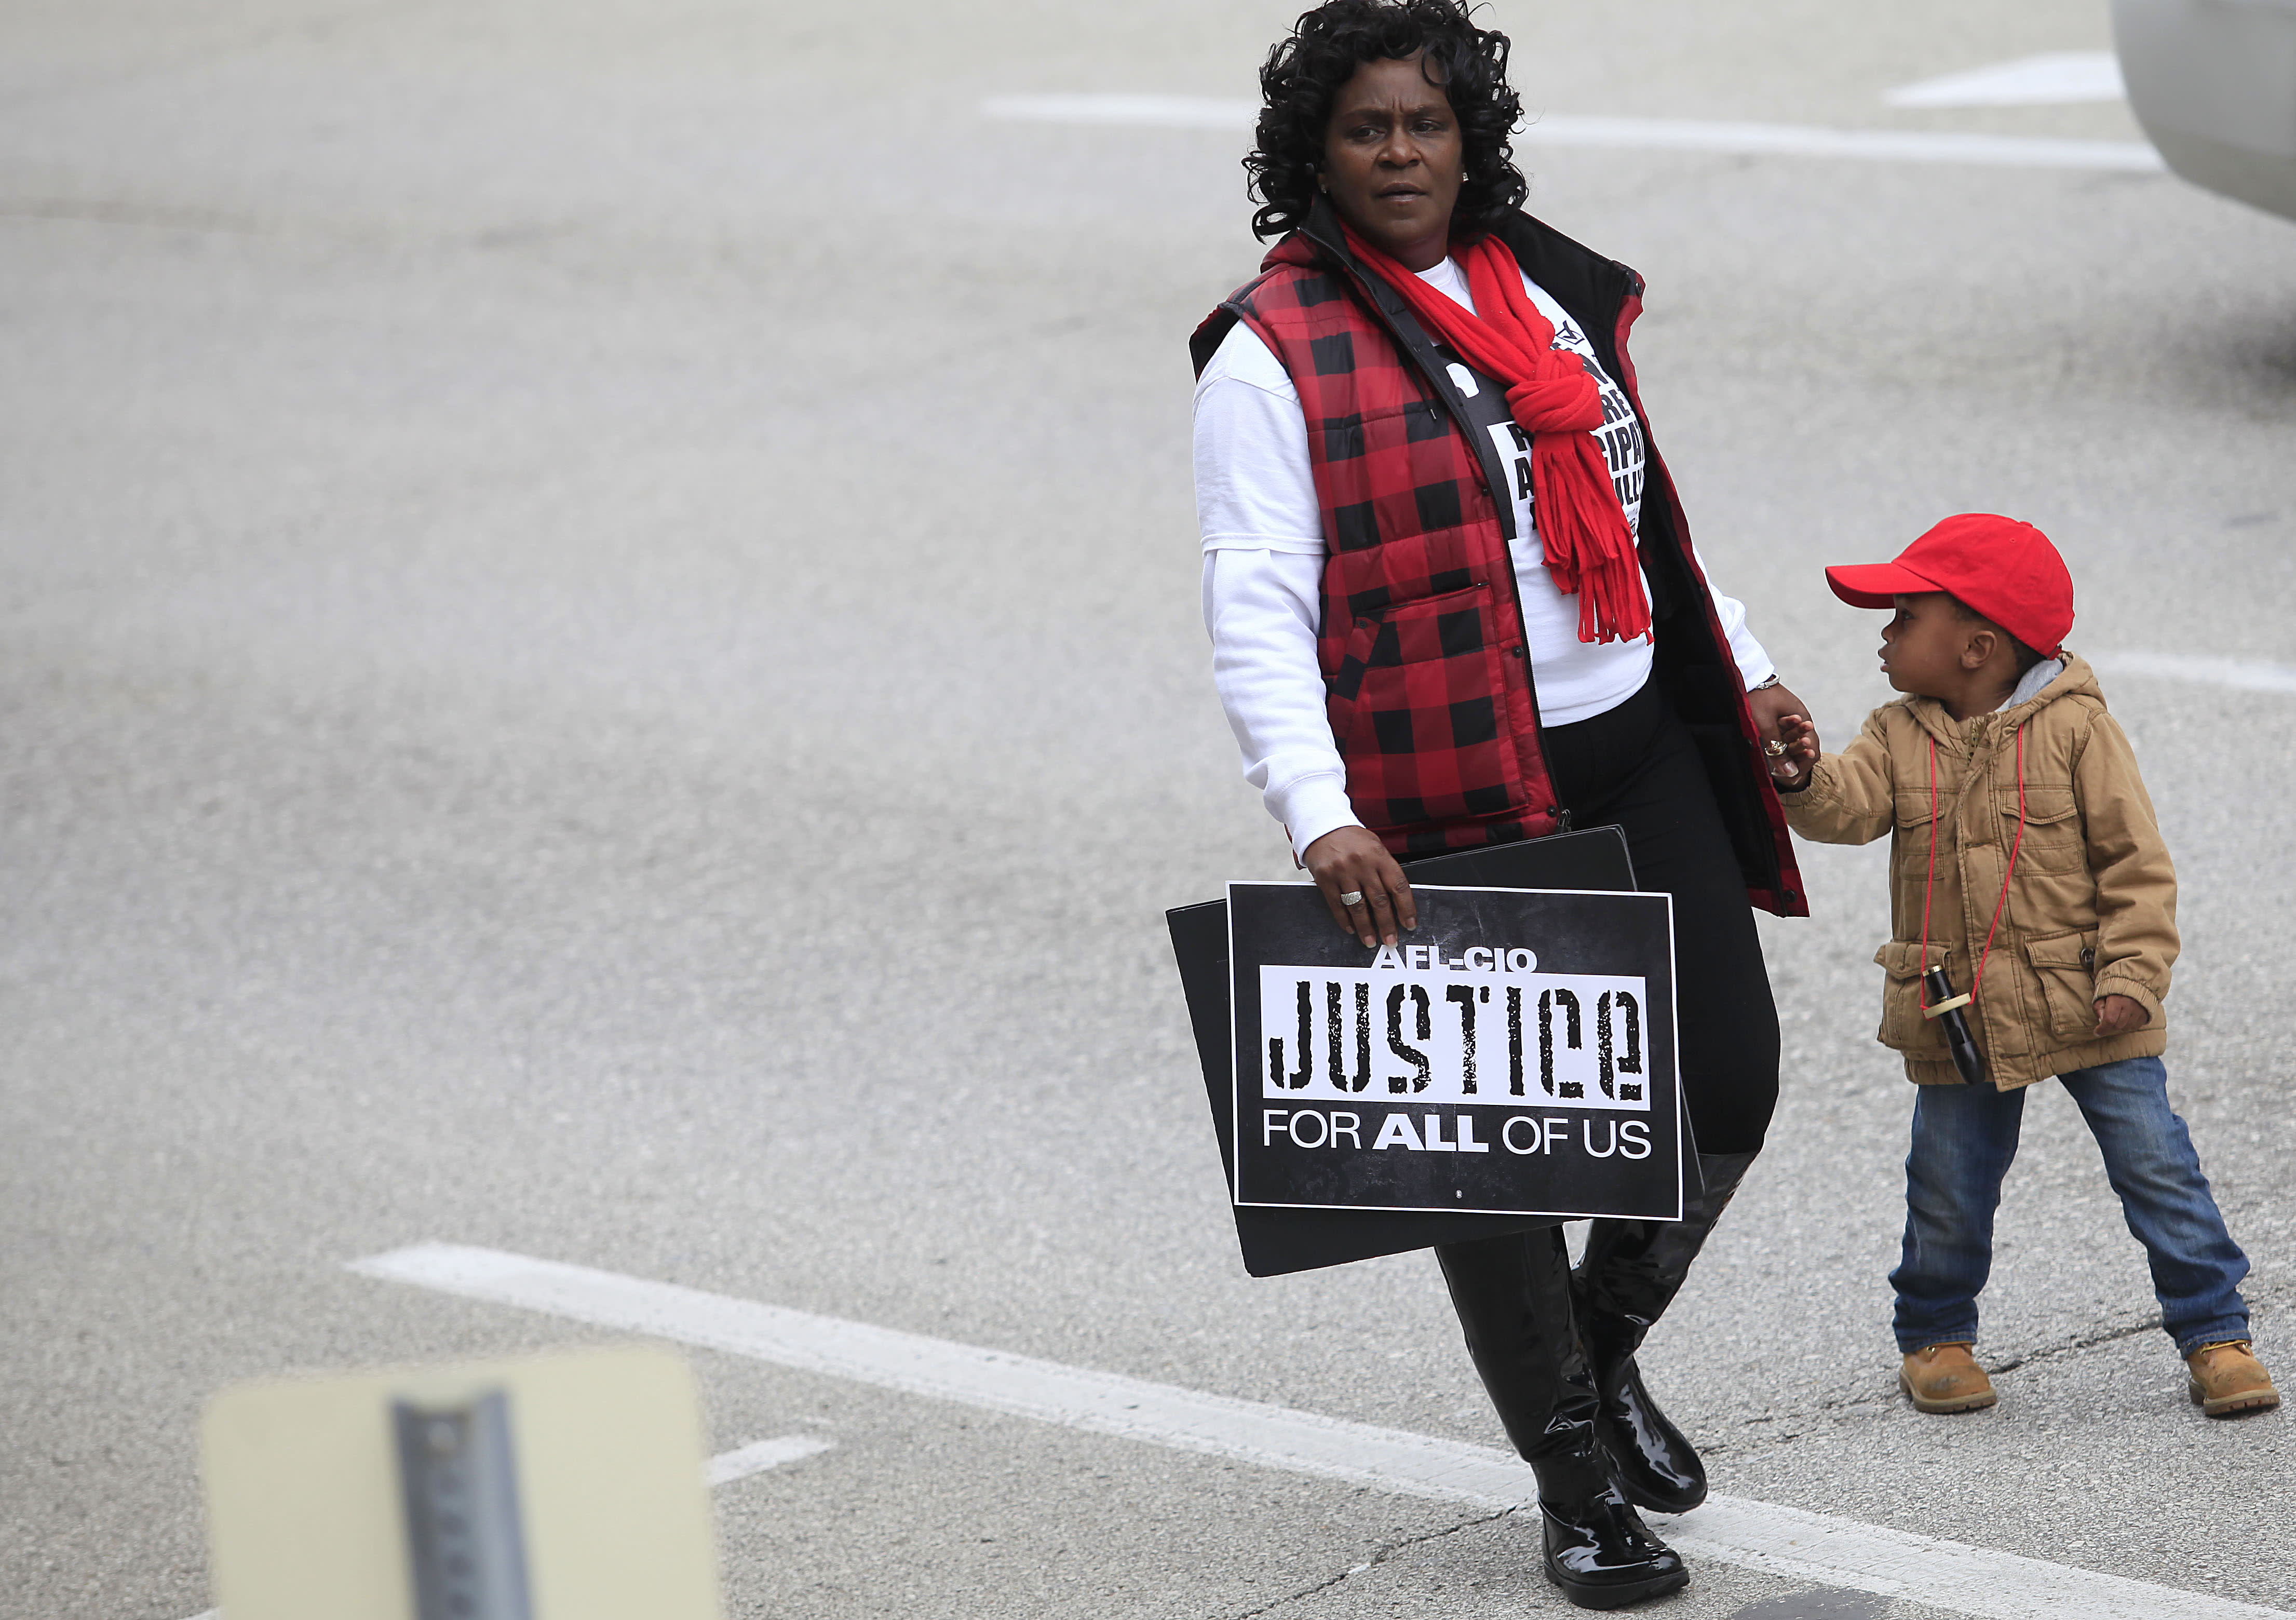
<point>2000,567</point>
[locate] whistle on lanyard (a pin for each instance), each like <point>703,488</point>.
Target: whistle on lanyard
<point>1945,1007</point>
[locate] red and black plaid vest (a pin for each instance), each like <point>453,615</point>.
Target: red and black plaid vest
<point>1431,694</point>
<point>1422,644</point>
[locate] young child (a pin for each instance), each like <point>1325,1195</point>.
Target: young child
<point>2026,863</point>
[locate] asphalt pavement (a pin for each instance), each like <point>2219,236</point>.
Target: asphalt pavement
<point>600,657</point>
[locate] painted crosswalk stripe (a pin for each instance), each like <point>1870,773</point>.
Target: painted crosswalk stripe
<point>1785,1542</point>
<point>2059,79</point>
<point>759,1455</point>
<point>1559,129</point>
<point>2239,674</point>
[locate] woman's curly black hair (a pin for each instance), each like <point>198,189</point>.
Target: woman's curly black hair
<point>1303,76</point>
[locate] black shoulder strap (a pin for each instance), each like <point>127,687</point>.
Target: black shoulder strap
<point>1205,342</point>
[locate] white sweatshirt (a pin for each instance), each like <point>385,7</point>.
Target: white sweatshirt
<point>1264,554</point>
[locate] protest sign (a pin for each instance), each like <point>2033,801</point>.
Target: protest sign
<point>1277,1239</point>
<point>1513,1055</point>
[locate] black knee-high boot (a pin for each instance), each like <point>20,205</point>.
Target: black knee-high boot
<point>1512,1295</point>
<point>1631,1273</point>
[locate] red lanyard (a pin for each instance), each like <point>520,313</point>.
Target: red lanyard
<point>1929,886</point>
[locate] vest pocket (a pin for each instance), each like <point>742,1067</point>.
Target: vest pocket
<point>2066,965</point>
<point>1903,1026</point>
<point>1418,708</point>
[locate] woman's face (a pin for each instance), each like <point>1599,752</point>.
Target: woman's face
<point>1393,161</point>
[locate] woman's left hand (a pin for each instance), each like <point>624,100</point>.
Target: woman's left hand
<point>1771,705</point>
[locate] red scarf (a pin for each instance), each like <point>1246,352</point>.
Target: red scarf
<point>1590,551</point>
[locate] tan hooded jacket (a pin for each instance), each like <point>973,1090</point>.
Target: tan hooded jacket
<point>2091,908</point>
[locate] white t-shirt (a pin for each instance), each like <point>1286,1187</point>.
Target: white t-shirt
<point>1264,556</point>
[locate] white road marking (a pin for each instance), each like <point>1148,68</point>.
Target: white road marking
<point>1076,1397</point>
<point>2060,79</point>
<point>1151,111</point>
<point>1873,145</point>
<point>759,1455</point>
<point>1757,1536</point>
<point>2242,675</point>
<point>1646,134</point>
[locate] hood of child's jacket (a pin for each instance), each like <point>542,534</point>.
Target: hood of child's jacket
<point>2077,679</point>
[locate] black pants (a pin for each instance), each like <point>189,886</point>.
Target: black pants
<point>1637,768</point>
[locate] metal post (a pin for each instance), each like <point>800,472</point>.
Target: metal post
<point>460,1484</point>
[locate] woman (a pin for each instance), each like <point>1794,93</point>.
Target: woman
<point>1454,602</point>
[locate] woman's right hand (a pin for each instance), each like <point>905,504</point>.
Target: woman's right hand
<point>1352,861</point>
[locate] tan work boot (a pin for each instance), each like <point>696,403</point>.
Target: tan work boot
<point>2227,1380</point>
<point>1945,1378</point>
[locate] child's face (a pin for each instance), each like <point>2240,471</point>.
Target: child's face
<point>1922,646</point>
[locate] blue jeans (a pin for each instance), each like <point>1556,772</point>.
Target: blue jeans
<point>1964,1137</point>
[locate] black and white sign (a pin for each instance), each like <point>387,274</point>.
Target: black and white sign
<point>1515,1055</point>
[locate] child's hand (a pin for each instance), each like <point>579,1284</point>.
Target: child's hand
<point>1798,737</point>
<point>2121,1015</point>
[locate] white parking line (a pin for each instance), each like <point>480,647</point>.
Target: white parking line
<point>759,1455</point>
<point>2242,675</point>
<point>2060,78</point>
<point>1646,134</point>
<point>1757,1536</point>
